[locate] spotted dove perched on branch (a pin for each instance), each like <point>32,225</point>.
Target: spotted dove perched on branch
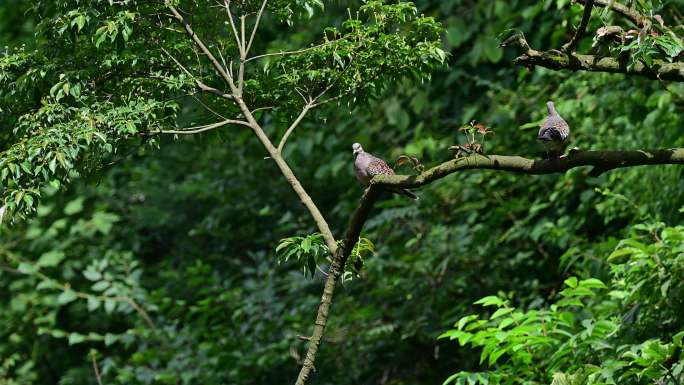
<point>553,132</point>
<point>367,166</point>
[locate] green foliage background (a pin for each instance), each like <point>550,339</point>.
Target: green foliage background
<point>162,263</point>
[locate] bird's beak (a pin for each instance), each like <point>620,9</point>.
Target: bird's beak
<point>356,152</point>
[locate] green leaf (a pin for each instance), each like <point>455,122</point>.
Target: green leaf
<point>110,305</point>
<point>571,282</point>
<point>27,268</point>
<point>495,356</point>
<point>491,300</point>
<point>499,312</point>
<point>73,207</point>
<point>620,252</point>
<point>76,338</point>
<point>92,275</point>
<point>592,283</point>
<point>93,303</point>
<point>66,297</point>
<point>100,286</point>
<point>306,244</point>
<point>51,258</point>
<point>110,339</point>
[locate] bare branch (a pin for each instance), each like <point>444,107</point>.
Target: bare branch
<point>206,127</point>
<point>586,15</point>
<point>243,56</point>
<point>294,125</point>
<point>261,135</point>
<point>232,25</point>
<point>213,90</point>
<point>243,42</point>
<point>220,69</point>
<point>256,26</point>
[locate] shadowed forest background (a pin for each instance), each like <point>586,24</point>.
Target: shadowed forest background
<point>186,228</point>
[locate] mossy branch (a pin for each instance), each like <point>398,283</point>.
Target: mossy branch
<point>601,161</point>
<point>556,60</point>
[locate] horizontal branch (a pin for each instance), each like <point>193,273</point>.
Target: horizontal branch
<point>206,127</point>
<point>602,161</point>
<point>556,60</point>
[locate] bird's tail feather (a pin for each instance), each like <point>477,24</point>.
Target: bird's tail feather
<point>404,192</point>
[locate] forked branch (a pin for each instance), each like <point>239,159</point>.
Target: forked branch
<point>601,160</point>
<point>237,98</point>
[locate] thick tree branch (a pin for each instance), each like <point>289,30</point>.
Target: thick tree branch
<point>586,15</point>
<point>659,70</point>
<point>602,161</point>
<point>334,273</point>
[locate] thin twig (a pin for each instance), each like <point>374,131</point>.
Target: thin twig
<point>232,25</point>
<point>206,107</point>
<point>98,376</point>
<point>256,26</point>
<point>294,125</point>
<point>203,128</point>
<point>243,56</point>
<point>199,83</point>
<point>572,44</point>
<point>294,52</point>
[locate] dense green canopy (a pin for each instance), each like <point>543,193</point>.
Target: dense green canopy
<point>152,234</point>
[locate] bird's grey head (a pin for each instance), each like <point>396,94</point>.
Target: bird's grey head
<point>551,107</point>
<point>356,147</point>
